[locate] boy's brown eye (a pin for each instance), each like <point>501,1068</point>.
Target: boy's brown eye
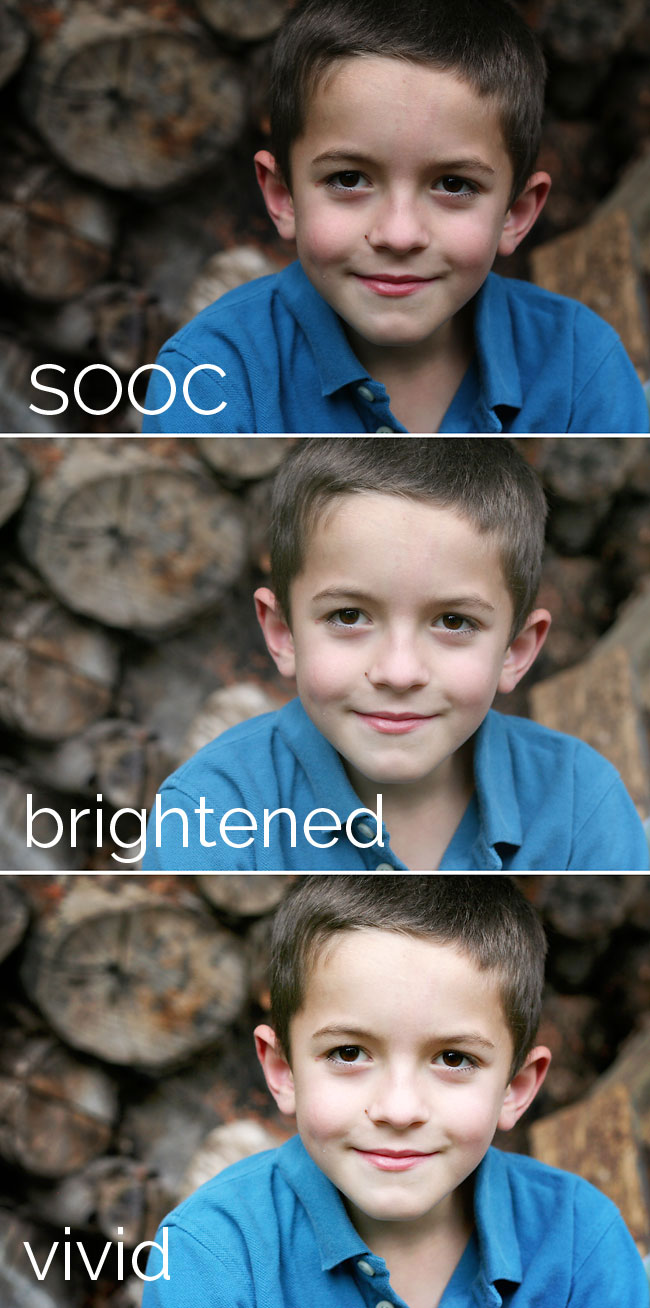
<point>347,1053</point>
<point>348,616</point>
<point>349,179</point>
<point>453,1058</point>
<point>452,621</point>
<point>453,184</point>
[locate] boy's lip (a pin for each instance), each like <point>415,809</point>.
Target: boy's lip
<point>393,285</point>
<point>394,723</point>
<point>395,1160</point>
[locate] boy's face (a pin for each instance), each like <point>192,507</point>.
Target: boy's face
<point>400,191</point>
<point>400,1071</point>
<point>400,629</point>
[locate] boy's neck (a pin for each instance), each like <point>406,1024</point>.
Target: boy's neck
<point>422,817</point>
<point>422,1256</point>
<point>421,380</point>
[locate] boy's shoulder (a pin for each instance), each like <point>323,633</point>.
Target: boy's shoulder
<point>553,800</point>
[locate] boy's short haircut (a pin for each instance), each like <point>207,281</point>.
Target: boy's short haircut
<point>486,480</point>
<point>486,917</point>
<point>485,42</point>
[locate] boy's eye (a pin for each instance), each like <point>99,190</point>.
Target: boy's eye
<point>454,1059</point>
<point>456,186</point>
<point>346,181</point>
<point>345,1054</point>
<point>345,617</point>
<point>455,622</point>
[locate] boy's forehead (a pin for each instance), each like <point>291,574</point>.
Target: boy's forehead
<point>348,974</point>
<point>358,526</point>
<point>353,82</point>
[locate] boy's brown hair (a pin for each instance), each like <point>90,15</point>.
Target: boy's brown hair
<point>485,917</point>
<point>486,480</point>
<point>484,42</point>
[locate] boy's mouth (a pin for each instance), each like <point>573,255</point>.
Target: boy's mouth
<point>389,1160</point>
<point>394,723</point>
<point>388,284</point>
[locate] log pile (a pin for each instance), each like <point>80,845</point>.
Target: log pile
<point>128,1074</point>
<point>129,130</point>
<point>128,637</point>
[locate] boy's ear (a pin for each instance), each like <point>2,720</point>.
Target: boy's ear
<point>524,649</point>
<point>278,1074</point>
<point>524,212</point>
<point>277,196</point>
<point>524,1086</point>
<point>277,633</point>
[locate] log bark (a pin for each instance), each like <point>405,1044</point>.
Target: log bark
<point>131,101</point>
<point>131,976</point>
<point>132,541</point>
<point>247,896</point>
<point>224,708</point>
<point>244,458</point>
<point>14,480</point>
<point>599,1139</point>
<point>56,234</point>
<point>117,758</point>
<point>14,39</point>
<point>222,272</point>
<point>114,323</point>
<point>15,786</point>
<point>18,1285</point>
<point>248,20</point>
<point>56,1113</point>
<point>14,916</point>
<point>599,701</point>
<point>107,1194</point>
<point>225,1145</point>
<point>56,673</point>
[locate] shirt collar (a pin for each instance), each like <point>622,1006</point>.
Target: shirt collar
<point>500,1256</point>
<point>500,380</point>
<point>335,1235</point>
<point>494,779</point>
<point>327,778</point>
<point>337,1238</point>
<point>334,359</point>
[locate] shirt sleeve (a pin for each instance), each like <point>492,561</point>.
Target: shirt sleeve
<point>612,399</point>
<point>219,391</point>
<point>196,1277</point>
<point>611,1272</point>
<point>611,838</point>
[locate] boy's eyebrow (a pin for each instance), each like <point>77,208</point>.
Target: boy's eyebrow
<point>474,165</point>
<point>449,1041</point>
<point>456,602</point>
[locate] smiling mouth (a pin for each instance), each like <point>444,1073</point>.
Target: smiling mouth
<point>394,723</point>
<point>389,1160</point>
<point>389,284</point>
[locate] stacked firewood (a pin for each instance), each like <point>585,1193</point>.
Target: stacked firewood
<point>127,142</point>
<point>128,1074</point>
<point>128,637</point>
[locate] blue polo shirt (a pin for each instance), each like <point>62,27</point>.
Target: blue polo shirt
<point>272,1232</point>
<point>543,363</point>
<point>543,801</point>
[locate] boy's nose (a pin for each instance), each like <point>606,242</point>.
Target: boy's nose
<point>397,663</point>
<point>397,1101</point>
<point>399,224</point>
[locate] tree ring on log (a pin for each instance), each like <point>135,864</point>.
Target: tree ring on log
<point>134,543</point>
<point>134,103</point>
<point>135,980</point>
<point>249,20</point>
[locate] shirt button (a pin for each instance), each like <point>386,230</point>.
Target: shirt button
<point>365,1267</point>
<point>384,867</point>
<point>365,829</point>
<point>365,393</point>
<point>385,431</point>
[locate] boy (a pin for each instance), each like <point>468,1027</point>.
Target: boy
<point>404,140</point>
<point>404,1013</point>
<point>404,576</point>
